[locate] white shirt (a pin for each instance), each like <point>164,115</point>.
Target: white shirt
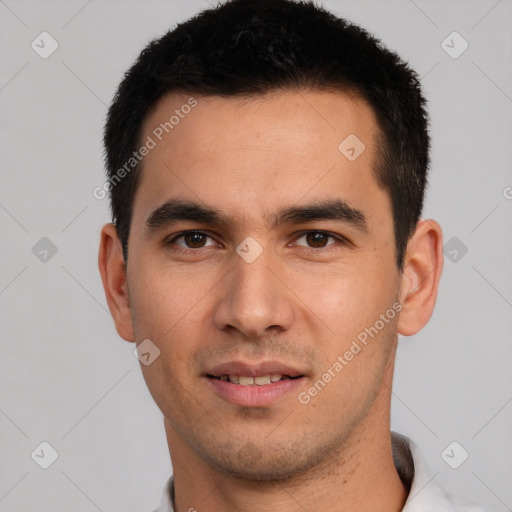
<point>425,494</point>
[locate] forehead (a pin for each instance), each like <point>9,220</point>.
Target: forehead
<point>249,156</point>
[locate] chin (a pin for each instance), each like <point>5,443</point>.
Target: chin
<point>263,472</point>
<point>266,463</point>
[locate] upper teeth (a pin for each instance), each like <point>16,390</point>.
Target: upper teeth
<point>248,381</point>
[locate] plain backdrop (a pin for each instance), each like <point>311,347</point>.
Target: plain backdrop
<point>67,379</point>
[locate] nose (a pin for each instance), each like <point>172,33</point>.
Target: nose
<point>253,299</point>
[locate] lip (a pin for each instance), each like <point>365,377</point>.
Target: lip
<point>254,395</point>
<point>253,370</point>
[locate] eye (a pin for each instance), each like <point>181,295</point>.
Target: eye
<point>191,240</point>
<point>317,239</point>
<point>194,240</point>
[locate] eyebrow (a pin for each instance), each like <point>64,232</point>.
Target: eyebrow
<point>176,210</point>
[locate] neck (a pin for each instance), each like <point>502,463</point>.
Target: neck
<point>360,475</point>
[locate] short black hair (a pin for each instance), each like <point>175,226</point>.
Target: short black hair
<point>252,47</point>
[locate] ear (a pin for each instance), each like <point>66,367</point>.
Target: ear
<point>113,274</point>
<point>423,265</point>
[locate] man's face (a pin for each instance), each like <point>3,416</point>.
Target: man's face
<point>257,295</point>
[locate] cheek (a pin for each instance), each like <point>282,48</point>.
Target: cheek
<point>346,299</point>
<point>165,304</point>
<point>164,300</point>
<point>350,305</point>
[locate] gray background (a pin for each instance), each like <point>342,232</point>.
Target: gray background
<point>69,380</point>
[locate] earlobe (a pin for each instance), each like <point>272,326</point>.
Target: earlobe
<point>113,275</point>
<point>423,266</point>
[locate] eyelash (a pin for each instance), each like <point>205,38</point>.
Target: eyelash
<point>178,248</point>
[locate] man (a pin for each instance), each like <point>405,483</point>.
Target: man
<point>267,164</point>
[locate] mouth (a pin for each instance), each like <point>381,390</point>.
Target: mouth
<point>257,385</point>
<point>245,380</point>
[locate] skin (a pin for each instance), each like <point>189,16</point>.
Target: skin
<point>299,303</point>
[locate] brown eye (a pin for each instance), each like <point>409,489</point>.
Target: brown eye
<point>316,239</point>
<point>194,240</point>
<point>191,240</point>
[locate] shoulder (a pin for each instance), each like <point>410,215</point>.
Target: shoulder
<point>457,503</point>
<point>425,493</point>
